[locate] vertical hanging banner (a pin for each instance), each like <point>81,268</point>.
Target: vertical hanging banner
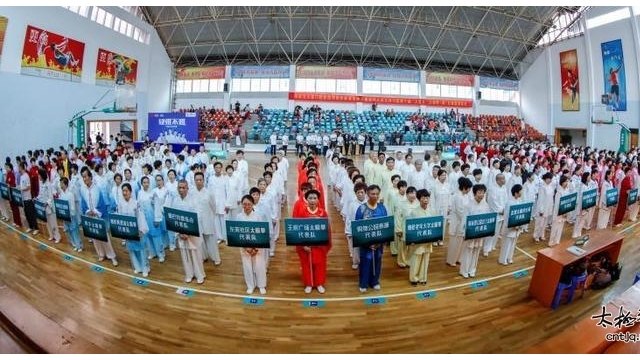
<point>113,68</point>
<point>625,139</point>
<point>615,83</point>
<point>3,30</point>
<point>50,55</point>
<point>570,92</point>
<point>173,127</point>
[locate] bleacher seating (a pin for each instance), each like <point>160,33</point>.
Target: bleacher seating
<point>216,124</point>
<point>501,127</point>
<point>326,121</point>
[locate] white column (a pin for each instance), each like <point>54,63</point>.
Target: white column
<point>226,103</point>
<point>292,86</point>
<point>593,95</point>
<point>552,130</point>
<point>359,105</point>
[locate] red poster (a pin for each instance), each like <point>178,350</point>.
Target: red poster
<point>450,79</point>
<point>569,76</point>
<point>115,69</point>
<point>50,55</point>
<point>3,29</point>
<point>205,72</point>
<point>434,102</point>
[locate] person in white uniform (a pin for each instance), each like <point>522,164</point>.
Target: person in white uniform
<point>254,265</point>
<point>510,234</point>
<point>471,248</point>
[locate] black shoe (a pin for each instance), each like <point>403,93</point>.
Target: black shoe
<point>414,283</point>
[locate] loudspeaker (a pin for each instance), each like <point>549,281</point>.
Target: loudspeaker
<point>479,95</point>
<point>226,87</point>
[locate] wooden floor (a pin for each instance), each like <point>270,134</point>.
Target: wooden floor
<point>108,308</point>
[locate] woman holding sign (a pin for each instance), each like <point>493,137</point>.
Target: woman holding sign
<point>46,196</point>
<point>419,254</point>
<point>625,186</point>
<point>254,264</point>
<point>313,259</point>
<point>510,234</point>
<point>471,248</point>
<point>604,211</point>
<point>558,220</point>
<point>129,207</point>
<point>72,228</point>
<point>371,256</point>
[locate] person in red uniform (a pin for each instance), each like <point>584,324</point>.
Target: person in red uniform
<point>625,186</point>
<point>313,259</point>
<point>11,181</point>
<point>301,202</point>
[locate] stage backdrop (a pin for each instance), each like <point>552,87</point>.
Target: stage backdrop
<point>3,29</point>
<point>615,83</point>
<point>569,76</point>
<point>113,68</point>
<point>173,127</point>
<point>50,55</point>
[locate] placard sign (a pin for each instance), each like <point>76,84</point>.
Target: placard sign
<point>94,228</point>
<point>248,234</point>
<point>480,226</point>
<point>589,198</point>
<point>372,231</point>
<point>124,227</point>
<point>5,193</point>
<point>612,197</point>
<point>567,203</point>
<point>41,210</point>
<point>519,214</point>
<point>182,222</point>
<point>16,196</point>
<point>63,212</point>
<point>306,232</point>
<point>633,197</point>
<point>424,230</point>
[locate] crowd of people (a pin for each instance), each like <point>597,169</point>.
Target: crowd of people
<point>99,181</point>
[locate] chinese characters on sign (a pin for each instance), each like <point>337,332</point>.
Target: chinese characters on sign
<point>519,214</point>
<point>372,231</point>
<point>480,226</point>
<point>182,222</point>
<point>94,228</point>
<point>62,209</point>
<point>124,227</point>
<point>248,234</point>
<point>424,230</point>
<point>306,232</point>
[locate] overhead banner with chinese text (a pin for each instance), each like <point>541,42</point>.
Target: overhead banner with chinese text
<point>204,72</point>
<point>615,83</point>
<point>327,97</point>
<point>259,72</point>
<point>495,83</point>
<point>450,79</point>
<point>248,234</point>
<point>326,72</point>
<point>570,92</point>
<point>113,68</point>
<point>390,75</point>
<point>50,55</point>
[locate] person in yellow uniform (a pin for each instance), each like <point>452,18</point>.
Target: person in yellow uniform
<point>405,203</point>
<point>419,253</point>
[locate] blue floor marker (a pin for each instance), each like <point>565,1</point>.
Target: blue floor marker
<point>313,304</point>
<point>23,236</point>
<point>253,301</point>
<point>140,282</point>
<point>521,273</point>
<point>480,285</point>
<point>67,257</point>
<point>375,301</point>
<point>185,292</point>
<point>42,247</point>
<point>426,295</point>
<point>98,269</point>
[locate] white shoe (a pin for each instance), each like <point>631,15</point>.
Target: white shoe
<point>161,260</point>
<point>79,250</point>
<point>123,242</point>
<point>188,279</point>
<point>250,291</point>
<point>321,289</point>
<point>173,248</point>
<point>36,232</point>
<point>307,290</point>
<point>263,291</point>
<point>136,272</point>
<point>363,290</point>
<point>145,274</point>
<point>377,287</point>
<point>75,249</point>
<point>354,266</point>
<point>485,254</point>
<point>114,262</point>
<point>272,254</point>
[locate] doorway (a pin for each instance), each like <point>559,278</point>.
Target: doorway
<point>574,136</point>
<point>126,128</point>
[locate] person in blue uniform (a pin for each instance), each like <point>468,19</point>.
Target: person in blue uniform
<point>371,256</point>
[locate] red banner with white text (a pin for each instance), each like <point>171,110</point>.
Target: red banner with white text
<point>115,69</point>
<point>450,79</point>
<point>50,55</point>
<point>433,102</point>
<point>203,72</point>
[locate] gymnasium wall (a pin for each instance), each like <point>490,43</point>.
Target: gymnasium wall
<point>42,107</point>
<point>541,84</point>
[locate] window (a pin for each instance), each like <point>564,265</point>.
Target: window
<point>347,86</point>
<point>465,92</point>
<point>449,91</point>
<point>500,95</point>
<point>370,87</point>
<point>607,18</point>
<point>100,16</point>
<point>433,90</point>
<point>306,85</point>
<point>187,86</point>
<point>409,88</point>
<point>216,85</point>
<point>280,85</point>
<point>116,24</point>
<point>180,86</point>
<point>108,19</point>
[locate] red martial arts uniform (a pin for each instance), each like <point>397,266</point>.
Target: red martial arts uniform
<point>314,263</point>
<point>625,186</point>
